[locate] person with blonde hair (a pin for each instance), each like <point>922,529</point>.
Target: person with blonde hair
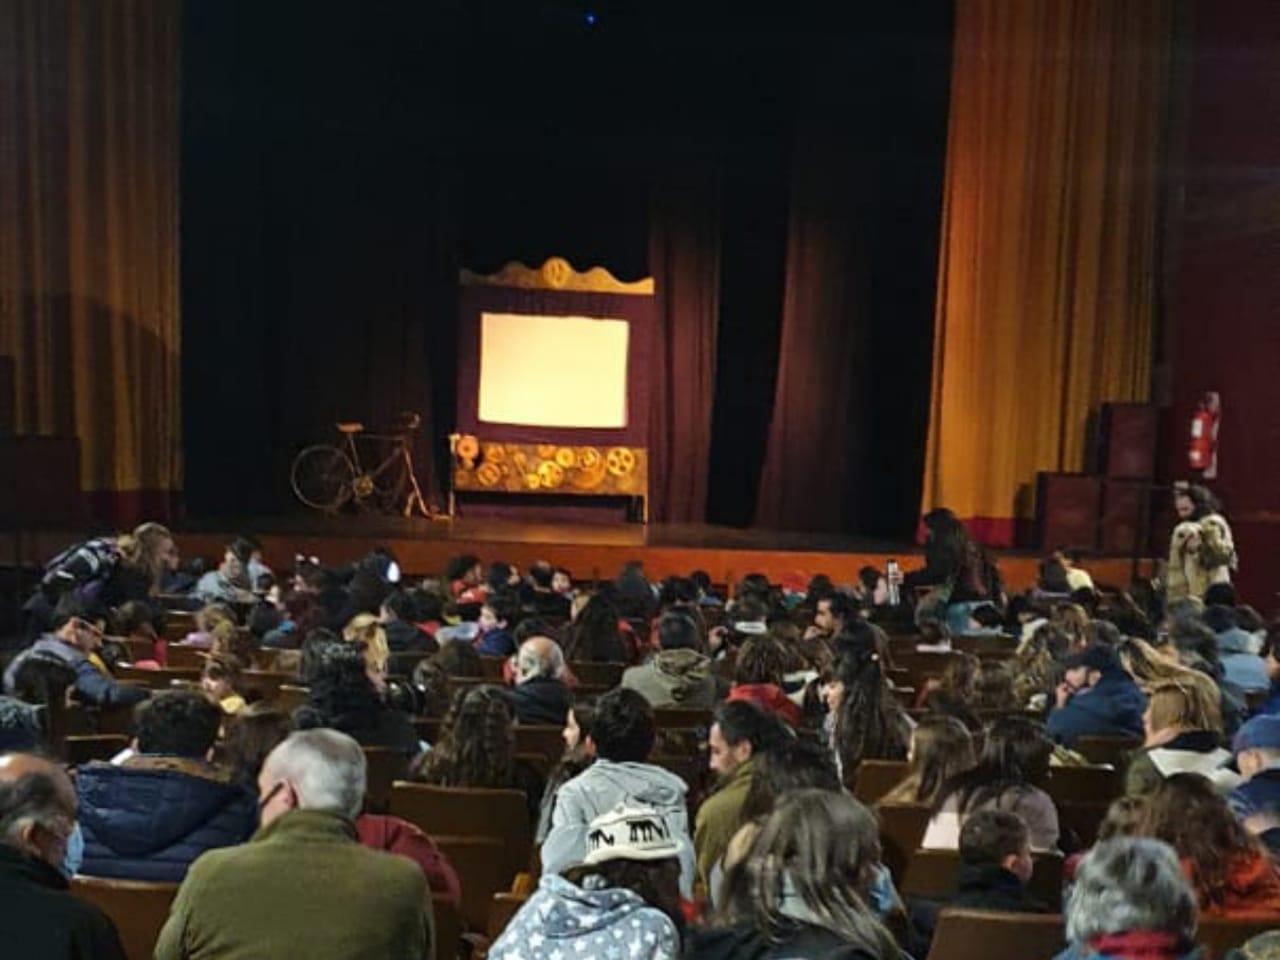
<point>366,628</point>
<point>1182,734</point>
<point>1150,666</point>
<point>941,748</point>
<point>1073,619</point>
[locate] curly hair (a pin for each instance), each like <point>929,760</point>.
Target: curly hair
<point>1187,813</point>
<point>477,742</point>
<point>761,660</point>
<point>594,633</point>
<point>342,695</point>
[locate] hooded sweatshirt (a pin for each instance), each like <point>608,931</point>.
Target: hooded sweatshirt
<point>564,920</point>
<point>599,789</point>
<point>674,678</point>
<point>148,819</point>
<point>1113,707</point>
<point>1241,665</point>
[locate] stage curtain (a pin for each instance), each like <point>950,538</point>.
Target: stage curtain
<point>814,434</point>
<point>1049,243</point>
<point>684,259</point>
<point>88,238</point>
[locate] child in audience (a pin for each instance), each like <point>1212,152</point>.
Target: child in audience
<point>579,753</point>
<point>220,681</point>
<point>622,901</point>
<point>941,749</point>
<point>497,613</point>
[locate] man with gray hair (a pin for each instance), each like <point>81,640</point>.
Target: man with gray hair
<point>540,694</point>
<point>1130,898</point>
<point>37,820</point>
<point>303,886</point>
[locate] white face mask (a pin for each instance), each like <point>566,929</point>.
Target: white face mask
<point>74,856</point>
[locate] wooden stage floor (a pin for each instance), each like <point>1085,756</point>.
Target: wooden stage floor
<point>593,551</point>
<point>589,551</point>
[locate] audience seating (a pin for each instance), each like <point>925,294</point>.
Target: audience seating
<point>289,697</point>
<point>1112,750</point>
<point>902,828</point>
<point>503,907</point>
<point>935,873</point>
<point>598,674</point>
<point>546,739</point>
<point>428,728</point>
<point>155,679</point>
<point>680,717</point>
<point>446,922</point>
<point>1219,935</point>
<point>1080,821</point>
<point>184,658</point>
<point>468,812</point>
<point>988,935</point>
<point>482,869</point>
<point>384,766</point>
<point>1089,784</point>
<point>491,667</point>
<point>874,778</point>
<point>83,749</point>
<point>138,909</point>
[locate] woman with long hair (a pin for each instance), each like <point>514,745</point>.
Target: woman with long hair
<point>579,753</point>
<point>993,687</point>
<point>594,634</point>
<point>953,693</point>
<point>1201,548</point>
<point>1232,874</point>
<point>344,698</point>
<point>477,748</point>
<point>804,886</point>
<point>941,749</point>
<point>1182,734</point>
<point>866,722</point>
<point>367,629</point>
<point>1038,666</point>
<point>1013,764</point>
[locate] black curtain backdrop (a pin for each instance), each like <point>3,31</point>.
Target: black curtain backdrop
<point>340,163</point>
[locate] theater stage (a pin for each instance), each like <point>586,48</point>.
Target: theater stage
<point>594,551</point>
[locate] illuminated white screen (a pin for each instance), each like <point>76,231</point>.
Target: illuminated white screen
<point>544,371</point>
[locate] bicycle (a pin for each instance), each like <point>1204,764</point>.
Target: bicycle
<point>327,477</point>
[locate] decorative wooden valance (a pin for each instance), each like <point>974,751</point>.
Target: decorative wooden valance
<point>556,274</point>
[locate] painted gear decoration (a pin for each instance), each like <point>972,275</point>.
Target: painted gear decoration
<point>588,458</point>
<point>467,449</point>
<point>545,451</point>
<point>532,481</point>
<point>550,474</point>
<point>495,452</point>
<point>620,461</point>
<point>565,457</point>
<point>489,474</point>
<point>588,479</point>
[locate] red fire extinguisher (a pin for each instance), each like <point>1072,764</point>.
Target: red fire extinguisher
<point>1204,433</point>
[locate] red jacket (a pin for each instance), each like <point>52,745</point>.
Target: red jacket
<point>399,836</point>
<point>1252,889</point>
<point>767,696</point>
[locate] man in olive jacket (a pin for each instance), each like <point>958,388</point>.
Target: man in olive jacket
<point>303,886</point>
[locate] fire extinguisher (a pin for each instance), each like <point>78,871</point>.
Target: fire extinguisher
<point>1200,448</point>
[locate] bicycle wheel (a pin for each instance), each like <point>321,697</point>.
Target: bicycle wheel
<point>321,477</point>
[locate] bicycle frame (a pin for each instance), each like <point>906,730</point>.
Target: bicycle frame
<point>399,452</point>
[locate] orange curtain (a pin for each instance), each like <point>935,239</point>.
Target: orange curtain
<point>89,128</point>
<point>1047,281</point>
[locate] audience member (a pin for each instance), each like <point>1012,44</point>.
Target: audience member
<point>149,817</point>
<point>758,677</point>
<point>220,681</point>
<point>1038,667</point>
<point>1130,900</point>
<point>1257,751</point>
<point>497,613</point>
<point>399,615</point>
<point>1271,661</point>
<point>1237,650</point>
<point>993,687</point>
<point>366,631</point>
<point>228,583</point>
<point>864,719</point>
<point>623,901</point>
<point>540,695</point>
<point>941,749</point>
<point>74,643</point>
<point>303,886</point>
<point>1096,698</point>
<point>249,736</point>
<point>953,560</point>
<point>37,821</point>
<point>1183,734</point>
<point>833,612</point>
<point>1013,764</point>
<point>953,693</point>
<point>477,748</point>
<point>740,733</point>
<point>547,591</point>
<point>19,726</point>
<point>1231,872</point>
<point>803,888</point>
<point>594,634</point>
<point>995,868</point>
<point>466,579</point>
<point>579,753</point>
<point>679,674</point>
<point>344,698</point>
<point>623,733</point>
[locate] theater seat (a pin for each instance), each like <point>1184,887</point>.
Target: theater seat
<point>902,828</point>
<point>138,909</point>
<point>503,907</point>
<point>384,766</point>
<point>987,935</point>
<point>1219,935</point>
<point>482,869</point>
<point>935,873</point>
<point>874,778</point>
<point>465,812</point>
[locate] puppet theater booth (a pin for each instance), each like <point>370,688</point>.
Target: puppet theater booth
<point>552,395</point>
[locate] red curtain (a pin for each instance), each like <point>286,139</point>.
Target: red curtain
<point>684,259</point>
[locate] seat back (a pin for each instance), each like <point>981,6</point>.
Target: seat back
<point>138,909</point>
<point>83,749</point>
<point>383,766</point>
<point>482,870</point>
<point>1112,750</point>
<point>503,907</point>
<point>546,739</point>
<point>446,921</point>
<point>491,668</point>
<point>936,873</point>
<point>598,673</point>
<point>681,717</point>
<point>902,828</point>
<point>875,778</point>
<point>156,679</point>
<point>1091,784</point>
<point>468,812</point>
<point>988,935</point>
<point>1081,820</point>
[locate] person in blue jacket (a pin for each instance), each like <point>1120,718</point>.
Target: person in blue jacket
<point>1096,698</point>
<point>150,816</point>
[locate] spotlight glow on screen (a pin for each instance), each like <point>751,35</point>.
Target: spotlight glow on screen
<point>550,371</point>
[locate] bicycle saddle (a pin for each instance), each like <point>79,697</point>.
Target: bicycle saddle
<point>350,427</point>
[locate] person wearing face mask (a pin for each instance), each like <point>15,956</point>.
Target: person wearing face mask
<point>37,836</point>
